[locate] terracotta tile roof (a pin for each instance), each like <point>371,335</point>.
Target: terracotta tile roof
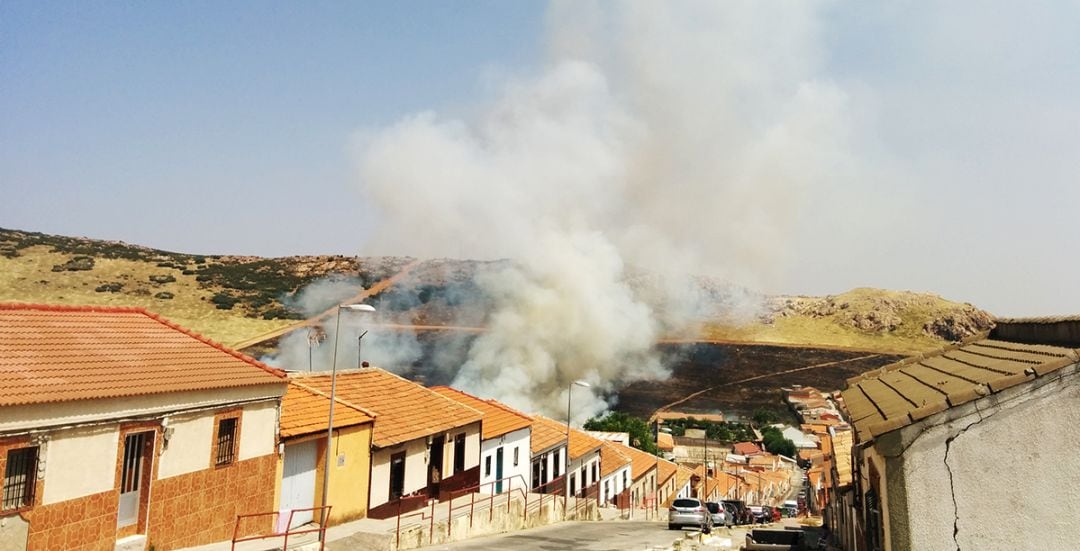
<point>682,477</point>
<point>62,353</point>
<point>611,458</point>
<point>547,435</point>
<point>498,419</point>
<point>404,410</point>
<point>665,442</point>
<point>667,470</point>
<point>899,394</point>
<point>643,462</point>
<point>580,443</point>
<point>667,415</point>
<point>305,410</point>
<point>745,448</point>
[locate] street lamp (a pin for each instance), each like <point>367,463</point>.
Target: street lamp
<point>566,470</point>
<point>330,416</point>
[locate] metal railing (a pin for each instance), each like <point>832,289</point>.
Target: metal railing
<point>428,514</point>
<point>289,531</point>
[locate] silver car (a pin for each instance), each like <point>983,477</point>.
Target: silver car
<point>689,511</point>
<point>718,514</point>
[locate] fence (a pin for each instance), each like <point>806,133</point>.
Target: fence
<point>323,512</point>
<point>428,514</point>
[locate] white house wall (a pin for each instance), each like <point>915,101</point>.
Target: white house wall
<point>415,470</point>
<point>258,430</point>
<point>518,440</point>
<point>613,484</point>
<point>1012,466</point>
<point>75,460</point>
<point>189,445</point>
<point>589,460</point>
<point>75,412</point>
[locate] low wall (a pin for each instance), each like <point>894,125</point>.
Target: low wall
<point>502,521</point>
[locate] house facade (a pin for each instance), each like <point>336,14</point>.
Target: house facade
<point>424,445</point>
<point>119,426</point>
<point>548,447</point>
<point>303,427</point>
<point>928,436</point>
<point>505,458</point>
<point>582,457</point>
<point>614,473</point>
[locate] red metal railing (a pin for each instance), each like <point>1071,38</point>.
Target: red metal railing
<point>289,531</point>
<point>428,513</point>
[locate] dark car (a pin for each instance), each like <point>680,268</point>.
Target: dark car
<point>742,515</point>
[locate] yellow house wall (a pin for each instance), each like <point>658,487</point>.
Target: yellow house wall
<point>350,459</point>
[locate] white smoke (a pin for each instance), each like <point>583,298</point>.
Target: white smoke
<point>678,139</point>
<point>313,349</point>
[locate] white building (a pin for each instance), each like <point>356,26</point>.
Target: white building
<point>505,456</point>
<point>971,447</point>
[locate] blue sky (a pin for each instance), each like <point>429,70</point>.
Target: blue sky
<point>232,127</point>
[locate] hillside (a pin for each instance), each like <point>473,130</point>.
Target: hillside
<point>235,298</point>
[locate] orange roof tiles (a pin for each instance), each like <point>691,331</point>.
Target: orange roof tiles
<point>643,462</point>
<point>498,419</point>
<point>612,458</point>
<point>902,393</point>
<point>306,410</point>
<point>62,353</point>
<point>404,410</point>
<point>745,448</point>
<point>667,470</point>
<point>580,443</point>
<point>665,441</point>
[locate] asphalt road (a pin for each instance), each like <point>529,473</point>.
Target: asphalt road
<point>591,536</point>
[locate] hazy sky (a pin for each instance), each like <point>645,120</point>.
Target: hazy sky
<point>230,127</point>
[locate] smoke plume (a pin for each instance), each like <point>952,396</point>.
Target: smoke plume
<point>673,139</point>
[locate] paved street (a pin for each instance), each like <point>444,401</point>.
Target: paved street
<point>591,536</point>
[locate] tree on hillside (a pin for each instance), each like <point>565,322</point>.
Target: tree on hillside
<point>776,443</point>
<point>641,437</point>
<point>765,416</point>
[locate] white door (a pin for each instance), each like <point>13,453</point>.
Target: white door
<point>298,481</point>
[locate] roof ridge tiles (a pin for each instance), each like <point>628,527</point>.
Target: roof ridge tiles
<point>337,399</point>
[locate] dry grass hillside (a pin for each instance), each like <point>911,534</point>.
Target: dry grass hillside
<point>234,298</point>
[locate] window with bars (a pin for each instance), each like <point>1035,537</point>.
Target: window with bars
<point>20,477</point>
<point>226,441</point>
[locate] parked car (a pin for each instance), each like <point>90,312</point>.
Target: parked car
<point>760,514</point>
<point>718,513</point>
<point>743,514</point>
<point>776,514</point>
<point>731,513</point>
<point>689,511</point>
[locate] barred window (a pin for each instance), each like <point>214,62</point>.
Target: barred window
<point>226,441</point>
<point>20,477</point>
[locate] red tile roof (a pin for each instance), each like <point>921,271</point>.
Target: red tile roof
<point>405,410</point>
<point>612,458</point>
<point>745,448</point>
<point>305,410</point>
<point>62,353</point>
<point>643,462</point>
<point>580,443</point>
<point>498,419</point>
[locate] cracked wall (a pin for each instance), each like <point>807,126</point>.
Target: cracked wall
<point>1002,472</point>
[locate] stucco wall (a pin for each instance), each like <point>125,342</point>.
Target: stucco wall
<point>612,484</point>
<point>350,468</point>
<point>519,440</point>
<point>415,470</point>
<point>1012,467</point>
<point>189,445</point>
<point>79,462</point>
<point>258,436</point>
<point>588,461</point>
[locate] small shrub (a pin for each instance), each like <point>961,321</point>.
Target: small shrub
<point>76,264</point>
<point>162,278</point>
<point>224,301</point>
<point>188,272</point>
<point>113,287</point>
<point>164,295</point>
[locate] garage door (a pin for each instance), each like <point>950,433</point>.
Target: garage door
<point>298,480</point>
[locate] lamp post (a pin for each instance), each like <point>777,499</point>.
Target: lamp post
<point>566,470</point>
<point>330,416</point>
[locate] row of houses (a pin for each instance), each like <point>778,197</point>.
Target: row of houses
<point>118,427</point>
<point>971,446</point>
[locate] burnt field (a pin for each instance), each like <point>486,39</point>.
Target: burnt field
<point>723,368</point>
